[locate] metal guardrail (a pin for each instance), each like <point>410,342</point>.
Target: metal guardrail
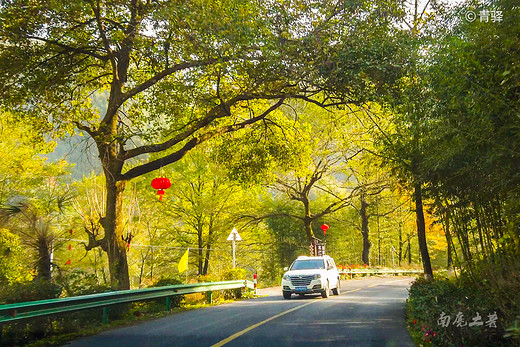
<point>25,310</point>
<point>379,271</point>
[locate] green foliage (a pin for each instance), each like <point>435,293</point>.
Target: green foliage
<point>256,155</point>
<point>175,301</point>
<point>228,275</point>
<point>234,274</point>
<point>492,289</point>
<point>289,237</point>
<point>30,291</point>
<point>13,264</point>
<point>513,331</point>
<point>210,68</point>
<point>80,282</point>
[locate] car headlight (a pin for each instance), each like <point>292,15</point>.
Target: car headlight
<point>287,277</point>
<point>317,276</point>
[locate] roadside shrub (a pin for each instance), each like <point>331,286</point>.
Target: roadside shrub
<point>513,332</point>
<point>454,313</point>
<point>208,278</point>
<point>79,282</point>
<point>234,275</point>
<point>30,291</point>
<point>18,333</point>
<point>175,301</point>
<point>76,283</point>
<point>229,275</point>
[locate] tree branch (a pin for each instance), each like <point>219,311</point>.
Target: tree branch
<point>158,163</point>
<point>166,72</point>
<point>97,12</point>
<point>67,48</point>
<point>215,113</point>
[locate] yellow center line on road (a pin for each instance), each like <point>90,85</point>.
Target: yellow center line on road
<point>242,332</point>
<point>374,285</point>
<point>350,291</point>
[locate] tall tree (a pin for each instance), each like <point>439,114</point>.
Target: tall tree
<point>404,143</point>
<point>174,73</point>
<point>472,158</point>
<point>318,149</point>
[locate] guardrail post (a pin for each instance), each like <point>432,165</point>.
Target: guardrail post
<point>168,302</point>
<point>105,315</point>
<point>210,294</point>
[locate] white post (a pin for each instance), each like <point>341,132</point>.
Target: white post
<point>52,256</point>
<point>234,238</point>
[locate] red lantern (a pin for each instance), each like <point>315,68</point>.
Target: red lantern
<point>161,183</point>
<point>324,227</point>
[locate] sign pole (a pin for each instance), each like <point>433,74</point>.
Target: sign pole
<point>234,239</point>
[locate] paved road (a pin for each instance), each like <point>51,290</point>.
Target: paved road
<point>369,312</point>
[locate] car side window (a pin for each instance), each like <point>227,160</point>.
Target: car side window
<point>329,264</point>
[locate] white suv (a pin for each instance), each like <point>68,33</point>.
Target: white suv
<point>311,275</point>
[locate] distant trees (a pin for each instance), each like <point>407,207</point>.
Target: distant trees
<point>33,197</point>
<point>206,204</point>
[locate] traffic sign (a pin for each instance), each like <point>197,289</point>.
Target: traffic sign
<point>234,236</point>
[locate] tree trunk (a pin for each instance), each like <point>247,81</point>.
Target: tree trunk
<point>113,226</point>
<point>307,220</point>
<point>206,260</point>
<point>448,240</point>
<point>400,243</point>
<point>378,237</point>
<point>307,225</point>
<point>44,260</point>
<point>364,231</point>
<point>208,247</point>
<point>199,243</point>
<point>409,251</point>
<point>421,232</point>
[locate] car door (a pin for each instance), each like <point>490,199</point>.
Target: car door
<point>331,273</point>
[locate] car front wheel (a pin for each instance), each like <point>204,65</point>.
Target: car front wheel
<point>326,291</point>
<point>286,295</point>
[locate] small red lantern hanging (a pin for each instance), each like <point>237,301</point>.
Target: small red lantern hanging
<point>324,227</point>
<point>161,183</point>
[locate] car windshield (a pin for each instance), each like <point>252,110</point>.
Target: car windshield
<point>308,264</point>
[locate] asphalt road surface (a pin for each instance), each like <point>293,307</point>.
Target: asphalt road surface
<point>368,312</point>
